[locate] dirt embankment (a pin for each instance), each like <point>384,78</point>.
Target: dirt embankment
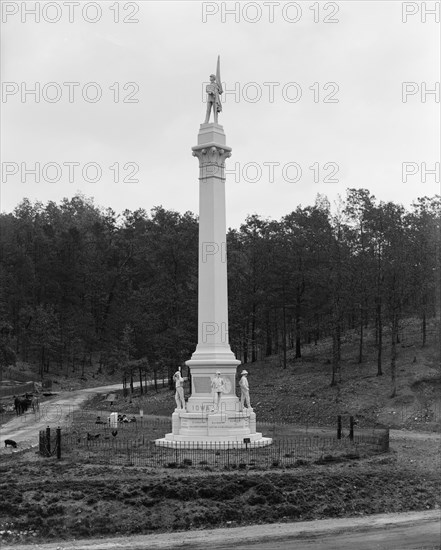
<point>60,500</point>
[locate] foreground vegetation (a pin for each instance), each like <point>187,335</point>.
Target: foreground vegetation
<point>50,500</point>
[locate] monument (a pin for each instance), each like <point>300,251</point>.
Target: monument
<point>213,413</point>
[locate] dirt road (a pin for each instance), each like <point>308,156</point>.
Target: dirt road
<point>411,530</point>
<point>24,429</point>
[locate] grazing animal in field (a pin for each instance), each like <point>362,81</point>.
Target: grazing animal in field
<point>10,443</point>
<point>114,433</point>
<point>92,436</point>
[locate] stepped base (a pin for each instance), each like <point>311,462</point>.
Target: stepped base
<point>228,429</point>
<point>214,443</point>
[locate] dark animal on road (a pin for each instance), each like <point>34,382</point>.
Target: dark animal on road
<point>35,403</point>
<point>21,404</point>
<point>10,443</point>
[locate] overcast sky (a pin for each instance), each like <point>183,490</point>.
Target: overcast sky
<point>335,102</point>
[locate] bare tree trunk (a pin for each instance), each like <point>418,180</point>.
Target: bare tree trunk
<point>269,342</point>
<point>380,338</point>
<point>140,381</point>
<point>276,333</point>
<point>336,374</point>
<point>393,357</point>
<point>245,350</point>
<point>360,344</point>
<point>298,341</point>
<point>284,336</point>
<point>253,336</point>
<point>42,362</point>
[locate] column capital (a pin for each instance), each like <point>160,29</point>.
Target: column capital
<point>212,160</point>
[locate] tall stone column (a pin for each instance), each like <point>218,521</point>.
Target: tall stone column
<point>201,423</point>
<point>213,351</point>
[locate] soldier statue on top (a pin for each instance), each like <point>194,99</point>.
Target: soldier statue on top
<point>214,91</point>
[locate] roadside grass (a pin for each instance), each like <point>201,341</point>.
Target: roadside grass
<point>48,500</point>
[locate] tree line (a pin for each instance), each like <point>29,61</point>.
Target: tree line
<point>79,283</point>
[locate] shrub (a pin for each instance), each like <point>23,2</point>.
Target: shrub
<point>205,492</point>
<point>290,511</point>
<point>264,488</point>
<point>254,500</point>
<point>352,456</point>
<point>148,502</point>
<point>55,510</point>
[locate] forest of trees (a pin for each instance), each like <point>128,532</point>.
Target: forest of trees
<point>78,281</point>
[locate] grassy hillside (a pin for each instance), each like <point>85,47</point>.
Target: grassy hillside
<point>301,393</point>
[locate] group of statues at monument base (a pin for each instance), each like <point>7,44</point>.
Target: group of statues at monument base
<point>217,388</point>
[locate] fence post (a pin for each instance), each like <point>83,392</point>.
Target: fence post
<point>339,427</point>
<point>59,443</point>
<point>351,428</point>
<point>48,441</point>
<point>385,441</point>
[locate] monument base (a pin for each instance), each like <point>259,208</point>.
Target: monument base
<point>218,429</point>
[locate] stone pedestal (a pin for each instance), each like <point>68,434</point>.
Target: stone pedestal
<point>226,429</point>
<point>199,423</point>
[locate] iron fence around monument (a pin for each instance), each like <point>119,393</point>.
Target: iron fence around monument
<point>289,452</point>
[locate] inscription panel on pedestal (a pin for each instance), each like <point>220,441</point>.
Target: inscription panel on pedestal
<point>225,423</point>
<point>194,422</point>
<point>202,384</point>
